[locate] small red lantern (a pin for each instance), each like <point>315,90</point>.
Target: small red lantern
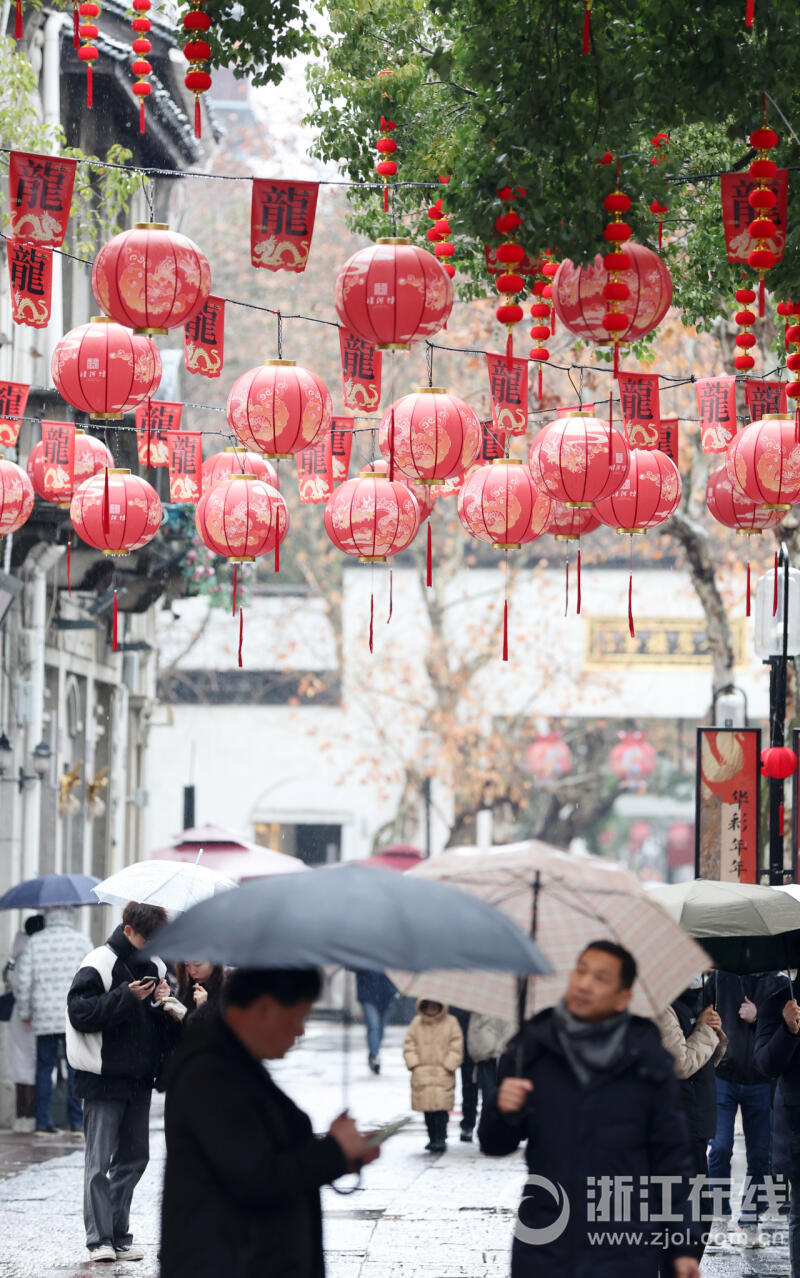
<point>763,462</point>
<point>238,461</point>
<point>279,408</point>
<point>430,435</point>
<point>439,236</point>
<point>499,504</point>
<point>762,201</point>
<point>91,458</point>
<point>16,497</point>
<point>116,512</point>
<point>509,284</point>
<point>151,279</point>
<point>548,758</point>
<point>778,762</point>
<point>103,369</point>
<point>88,51</point>
<point>141,47</point>
<point>393,294</point>
<point>371,517</point>
<point>197,53</point>
<point>633,758</point>
<point>580,298</point>
<point>241,518</point>
<point>648,495</point>
<point>580,460</point>
<point>387,165</point>
<point>732,509</point>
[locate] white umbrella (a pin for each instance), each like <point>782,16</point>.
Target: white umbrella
<point>743,926</point>
<point>175,885</point>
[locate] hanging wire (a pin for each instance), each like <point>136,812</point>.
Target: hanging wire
<point>429,362</point>
<point>280,334</point>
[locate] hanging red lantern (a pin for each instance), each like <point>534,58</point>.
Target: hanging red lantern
<point>439,236</point>
<point>371,517</point>
<point>197,52</point>
<point>633,758</point>
<point>241,518</point>
<point>104,369</point>
<point>763,462</point>
<point>580,299</point>
<point>778,762</point>
<point>238,461</point>
<point>745,340</point>
<point>393,294</point>
<point>647,496</point>
<point>16,497</point>
<point>616,290</point>
<point>580,460</point>
<point>548,758</point>
<point>91,458</point>
<point>762,201</point>
<point>791,314</point>
<point>542,314</point>
<point>88,51</point>
<point>570,523</point>
<point>509,284</point>
<point>430,435</point>
<point>422,492</point>
<point>729,506</point>
<point>279,408</point>
<point>141,47</point>
<point>499,504</point>
<point>116,512</point>
<point>151,279</point>
<point>386,166</point>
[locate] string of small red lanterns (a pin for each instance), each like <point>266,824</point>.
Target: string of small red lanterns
<point>141,47</point>
<point>617,232</point>
<point>439,236</point>
<point>762,201</point>
<point>197,51</point>
<point>745,318</point>
<point>88,52</point>
<point>386,167</point>
<point>510,253</point>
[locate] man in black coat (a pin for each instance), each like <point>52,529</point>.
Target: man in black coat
<point>244,1169</point>
<point>594,1093</point>
<point>777,1054</point>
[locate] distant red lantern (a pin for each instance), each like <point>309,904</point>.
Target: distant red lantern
<point>633,758</point>
<point>371,517</point>
<point>393,293</point>
<point>279,408</point>
<point>16,497</point>
<point>648,495</point>
<point>241,518</point>
<point>548,758</point>
<point>582,302</point>
<point>639,831</point>
<point>91,458</point>
<point>151,279</point>
<point>238,461</point>
<point>729,506</point>
<point>499,504</point>
<point>778,762</point>
<point>116,512</point>
<point>763,462</point>
<point>422,492</point>
<point>680,844</point>
<point>580,460</point>
<point>102,368</point>
<point>430,435</point>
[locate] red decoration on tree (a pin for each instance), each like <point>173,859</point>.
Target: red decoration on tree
<point>499,504</point>
<point>745,340</point>
<point>542,313</point>
<point>151,279</point>
<point>439,236</point>
<point>386,166</point>
<point>762,201</point>
<point>393,294</point>
<point>587,26</point>
<point>88,51</point>
<point>548,758</point>
<point>372,517</point>
<point>430,435</point>
<point>648,495</point>
<point>579,460</point>
<point>580,298</point>
<point>141,47</point>
<point>103,369</point>
<point>778,762</point>
<point>116,512</point>
<point>196,51</point>
<point>16,497</point>
<point>238,461</point>
<point>510,284</point>
<point>791,313</point>
<point>241,518</point>
<point>659,210</point>
<point>633,758</point>
<point>763,462</point>
<point>279,408</point>
<point>91,458</point>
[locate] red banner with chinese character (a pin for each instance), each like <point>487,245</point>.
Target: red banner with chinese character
<point>641,408</point>
<point>508,388</point>
<point>185,465</point>
<point>58,460</point>
<point>737,214</point>
<point>204,339</point>
<point>30,272</point>
<point>764,397</point>
<point>571,409</point>
<point>727,798</point>
<point>41,195</point>
<point>282,223</point>
<point>13,400</point>
<point>155,420</point>
<point>340,442</point>
<point>668,437</point>
<point>716,406</point>
<point>314,478</point>
<point>361,373</point>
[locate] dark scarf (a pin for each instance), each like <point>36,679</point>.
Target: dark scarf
<point>590,1046</point>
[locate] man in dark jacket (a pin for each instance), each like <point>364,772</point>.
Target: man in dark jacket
<point>117,1038</point>
<point>244,1169</point>
<point>594,1093</point>
<point>777,1056</point>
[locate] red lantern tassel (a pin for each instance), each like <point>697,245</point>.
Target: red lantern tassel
<point>114,621</point>
<point>429,558</point>
<point>747,612</point>
<point>198,131</point>
<point>141,116</point>
<point>566,587</point>
<point>391,450</point>
<point>616,359</point>
<point>505,630</point>
<point>786,335</point>
<point>386,199</point>
<point>509,350</point>
<point>241,635</point>
<point>69,564</point>
<point>235,584</point>
<point>749,15</point>
<point>579,582</point>
<point>106,514</point>
<point>75,23</point>
<point>540,383</point>
<point>631,629</point>
<point>587,28</point>
<point>277,556</point>
<point>389,618</point>
<point>371,617</point>
<point>775,587</point>
<point>89,86</point>
<point>18,30</point>
<point>761,297</point>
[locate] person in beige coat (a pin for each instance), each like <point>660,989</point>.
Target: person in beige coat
<point>433,1050</point>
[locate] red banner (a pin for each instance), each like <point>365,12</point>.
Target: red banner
<point>30,271</point>
<point>764,397</point>
<point>41,195</point>
<point>525,267</point>
<point>716,406</point>
<point>13,400</point>
<point>737,214</point>
<point>204,339</point>
<point>361,373</point>
<point>508,388</point>
<point>155,421</point>
<point>185,465</point>
<point>282,223</point>
<point>571,409</point>
<point>340,442</point>
<point>641,408</point>
<point>58,460</point>
<point>322,468</point>
<point>668,437</point>
<point>727,821</point>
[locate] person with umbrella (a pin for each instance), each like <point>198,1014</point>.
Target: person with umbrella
<point>777,1056</point>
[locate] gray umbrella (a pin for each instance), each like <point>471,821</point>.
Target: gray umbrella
<point>354,916</point>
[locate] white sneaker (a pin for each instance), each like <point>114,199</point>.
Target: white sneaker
<point>103,1251</point>
<point>127,1251</point>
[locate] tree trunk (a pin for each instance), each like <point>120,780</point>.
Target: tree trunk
<point>699,559</point>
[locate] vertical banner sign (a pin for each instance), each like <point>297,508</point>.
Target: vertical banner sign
<point>737,213</point>
<point>727,804</point>
<point>13,400</point>
<point>41,194</point>
<point>361,372</point>
<point>641,408</point>
<point>282,223</point>
<point>570,409</point>
<point>58,460</point>
<point>30,272</point>
<point>185,465</point>
<point>508,388</point>
<point>340,445</point>
<point>314,478</point>
<point>154,423</point>
<point>764,397</point>
<point>668,437</point>
<point>716,406</point>
<point>204,339</point>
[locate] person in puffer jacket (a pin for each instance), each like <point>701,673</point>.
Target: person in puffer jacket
<point>433,1050</point>
<point>41,984</point>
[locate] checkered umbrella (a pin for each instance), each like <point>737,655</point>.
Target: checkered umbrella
<point>565,901</point>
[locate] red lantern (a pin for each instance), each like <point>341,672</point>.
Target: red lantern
<point>763,462</point>
<point>762,201</point>
<point>279,408</point>
<point>498,503</point>
<point>430,435</point>
<point>91,458</point>
<point>238,461</point>
<point>581,303</point>
<point>439,236</point>
<point>393,294</point>
<point>371,517</point>
<point>732,509</point>
<point>16,497</point>
<point>241,518</point>
<point>141,47</point>
<point>116,512</point>
<point>88,51</point>
<point>387,165</point>
<point>778,762</point>
<point>103,369</point>
<point>151,279</point>
<point>548,758</point>
<point>197,53</point>
<point>509,284</point>
<point>568,523</point>
<point>580,460</point>
<point>633,758</point>
<point>422,492</point>
<point>648,495</point>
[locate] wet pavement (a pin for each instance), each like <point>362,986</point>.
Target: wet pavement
<point>414,1215</point>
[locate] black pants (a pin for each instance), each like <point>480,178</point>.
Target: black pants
<point>700,1168</point>
<point>483,1079</point>
<point>117,1152</point>
<point>436,1123</point>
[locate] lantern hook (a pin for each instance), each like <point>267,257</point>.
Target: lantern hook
<point>280,334</point>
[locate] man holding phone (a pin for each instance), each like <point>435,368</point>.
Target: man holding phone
<point>117,1039</point>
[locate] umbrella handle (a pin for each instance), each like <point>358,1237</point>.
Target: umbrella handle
<point>344,1192</point>
<point>522,981</point>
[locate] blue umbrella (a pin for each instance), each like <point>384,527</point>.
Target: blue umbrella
<point>353,916</point>
<point>50,889</point>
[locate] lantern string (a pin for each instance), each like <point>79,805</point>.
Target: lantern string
<point>371,615</point>
<point>389,617</point>
<point>279,318</point>
<point>277,546</point>
<point>241,635</point>
<point>631,627</point>
<point>429,557</point>
<point>747,612</point>
<point>775,587</point>
<point>106,514</point>
<point>429,362</point>
<point>566,586</point>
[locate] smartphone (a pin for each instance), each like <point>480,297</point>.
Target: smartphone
<point>383,1133</point>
